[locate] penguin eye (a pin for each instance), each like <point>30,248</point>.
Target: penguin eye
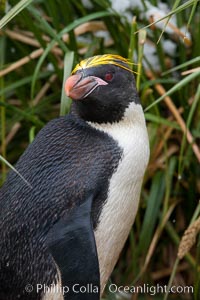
<point>108,76</point>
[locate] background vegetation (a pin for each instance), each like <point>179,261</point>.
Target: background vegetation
<point>42,40</point>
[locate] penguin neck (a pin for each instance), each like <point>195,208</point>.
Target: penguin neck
<point>133,115</point>
<point>97,112</point>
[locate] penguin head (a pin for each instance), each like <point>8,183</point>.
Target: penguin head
<point>102,87</point>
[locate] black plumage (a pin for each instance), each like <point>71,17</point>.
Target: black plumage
<point>67,162</point>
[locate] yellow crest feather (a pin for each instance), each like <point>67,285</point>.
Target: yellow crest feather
<point>105,59</point>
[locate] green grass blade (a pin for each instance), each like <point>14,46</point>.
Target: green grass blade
<point>3,109</point>
<point>153,205</point>
<point>178,86</point>
<point>31,134</point>
<point>183,65</point>
<point>169,176</point>
<point>159,120</point>
<point>12,168</point>
<point>132,45</point>
<point>175,11</point>
<point>176,239</point>
<point>10,89</point>
<point>46,27</point>
<point>141,41</point>
<point>68,64</point>
<point>171,279</point>
<point>192,13</point>
<point>25,114</point>
<point>176,3</point>
<point>14,11</point>
<point>196,213</point>
<point>188,123</point>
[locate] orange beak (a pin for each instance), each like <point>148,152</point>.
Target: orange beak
<point>79,87</point>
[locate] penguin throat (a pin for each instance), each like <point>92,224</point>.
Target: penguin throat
<point>92,111</point>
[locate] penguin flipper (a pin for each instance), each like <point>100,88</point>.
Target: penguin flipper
<point>72,245</point>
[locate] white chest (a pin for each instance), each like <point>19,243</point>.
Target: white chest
<point>119,211</point>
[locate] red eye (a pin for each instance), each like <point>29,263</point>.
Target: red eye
<point>108,77</point>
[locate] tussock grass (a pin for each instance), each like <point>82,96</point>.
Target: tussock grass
<point>40,42</point>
